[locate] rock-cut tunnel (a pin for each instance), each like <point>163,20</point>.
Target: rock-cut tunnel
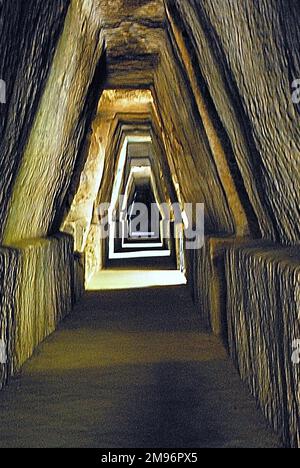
<point>117,331</point>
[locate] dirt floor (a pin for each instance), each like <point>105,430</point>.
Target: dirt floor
<point>131,368</point>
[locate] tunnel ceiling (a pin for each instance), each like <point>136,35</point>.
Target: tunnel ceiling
<point>225,134</point>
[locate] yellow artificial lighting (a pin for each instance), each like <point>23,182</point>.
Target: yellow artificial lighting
<point>134,279</point>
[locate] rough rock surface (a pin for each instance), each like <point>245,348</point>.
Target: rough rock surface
<point>188,150</point>
<point>37,290</point>
<point>9,269</point>
<point>60,127</point>
<point>247,54</point>
<point>206,278</point>
<point>29,32</point>
<point>263,303</point>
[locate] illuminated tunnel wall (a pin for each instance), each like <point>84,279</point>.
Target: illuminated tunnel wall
<point>137,171</point>
<point>89,74</point>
